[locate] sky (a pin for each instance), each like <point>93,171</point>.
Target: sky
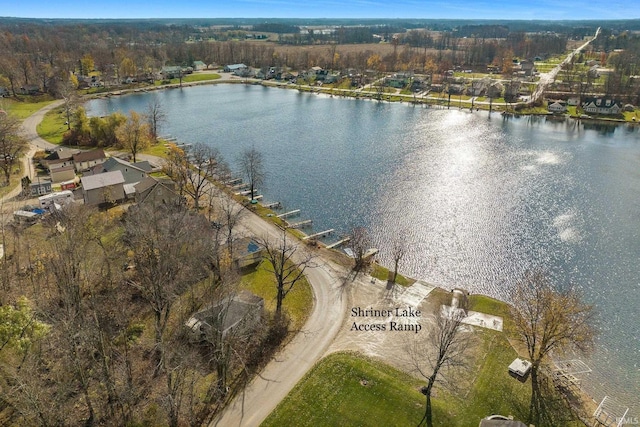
<point>422,9</point>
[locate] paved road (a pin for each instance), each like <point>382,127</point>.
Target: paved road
<point>547,78</point>
<point>262,395</point>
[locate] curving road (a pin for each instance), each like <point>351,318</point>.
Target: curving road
<point>267,389</point>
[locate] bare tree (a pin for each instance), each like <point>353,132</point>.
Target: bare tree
<point>169,246</point>
<point>134,134</point>
<point>444,351</point>
<point>252,165</point>
<point>287,262</point>
<point>547,320</point>
<point>206,160</point>
<point>228,215</point>
<point>12,143</point>
<point>398,251</point>
<point>156,116</point>
<point>359,242</point>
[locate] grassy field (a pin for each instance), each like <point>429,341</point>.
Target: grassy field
<point>52,127</point>
<point>332,393</point>
<point>298,302</point>
<point>190,78</point>
<point>23,108</point>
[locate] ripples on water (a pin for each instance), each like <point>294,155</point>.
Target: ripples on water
<point>479,199</point>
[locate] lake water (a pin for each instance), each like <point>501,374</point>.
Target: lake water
<point>479,199</point>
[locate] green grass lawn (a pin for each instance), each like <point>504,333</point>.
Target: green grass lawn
<point>52,127</point>
<point>298,302</point>
<point>190,78</point>
<point>24,107</point>
<point>382,273</point>
<point>333,394</point>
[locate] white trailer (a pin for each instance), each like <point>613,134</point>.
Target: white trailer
<point>61,198</point>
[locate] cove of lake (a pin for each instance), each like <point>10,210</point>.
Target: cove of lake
<point>480,199</point>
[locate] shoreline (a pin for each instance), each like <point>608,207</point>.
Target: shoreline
<point>505,109</point>
<point>236,82</point>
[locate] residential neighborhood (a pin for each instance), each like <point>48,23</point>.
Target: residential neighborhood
<point>356,222</point>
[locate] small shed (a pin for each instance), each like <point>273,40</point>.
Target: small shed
<point>520,368</point>
<point>239,313</point>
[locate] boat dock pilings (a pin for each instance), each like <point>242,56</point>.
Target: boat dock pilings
<point>233,181</point>
<point>288,214</point>
<point>274,205</point>
<point>338,243</point>
<point>301,224</point>
<point>320,234</point>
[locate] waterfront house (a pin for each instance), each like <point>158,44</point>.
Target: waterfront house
<point>107,187</point>
<point>604,105</point>
<point>557,106</point>
<point>132,172</point>
<point>199,65</point>
<point>237,69</point>
<point>171,72</point>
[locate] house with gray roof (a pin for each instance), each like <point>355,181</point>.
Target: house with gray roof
<point>603,105</point>
<point>107,187</point>
<point>237,314</point>
<point>132,172</point>
<point>156,191</point>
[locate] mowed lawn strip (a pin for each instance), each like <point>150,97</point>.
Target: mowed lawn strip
<point>348,390</point>
<point>53,126</point>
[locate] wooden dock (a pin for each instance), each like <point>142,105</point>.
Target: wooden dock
<point>338,243</point>
<point>288,214</point>
<point>241,186</point>
<point>301,224</point>
<point>320,234</point>
<point>233,181</point>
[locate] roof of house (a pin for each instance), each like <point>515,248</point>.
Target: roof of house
<point>61,169</point>
<point>145,184</point>
<point>61,154</point>
<point>144,165</point>
<point>603,102</point>
<point>54,164</point>
<point>113,162</point>
<point>227,313</point>
<point>86,156</point>
<point>235,66</point>
<point>171,68</point>
<point>102,180</point>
